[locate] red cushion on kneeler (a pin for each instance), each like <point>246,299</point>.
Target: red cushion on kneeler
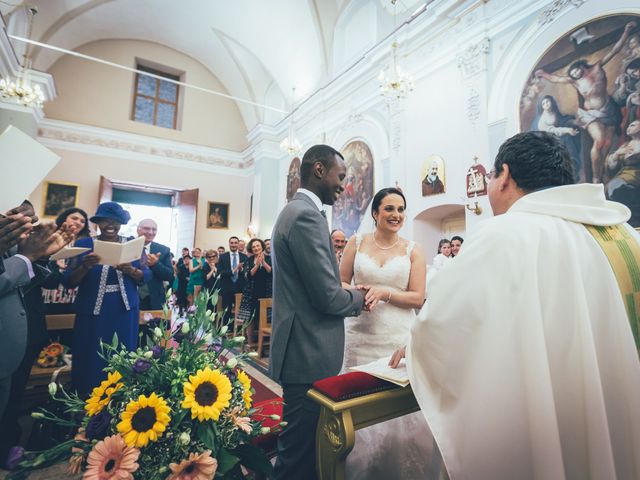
<point>351,385</point>
<point>268,442</point>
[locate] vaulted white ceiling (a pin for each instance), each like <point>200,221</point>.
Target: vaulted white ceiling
<point>258,49</point>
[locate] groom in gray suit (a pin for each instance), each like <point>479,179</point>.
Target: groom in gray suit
<point>309,306</point>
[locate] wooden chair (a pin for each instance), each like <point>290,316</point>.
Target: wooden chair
<point>236,310</point>
<point>264,327</point>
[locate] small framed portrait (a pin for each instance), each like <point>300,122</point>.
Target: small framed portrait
<point>218,215</point>
<point>58,197</point>
<point>433,181</point>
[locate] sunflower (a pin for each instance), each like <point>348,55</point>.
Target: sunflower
<point>207,393</point>
<point>144,420</point>
<point>101,395</point>
<point>244,379</point>
<point>196,467</point>
<point>112,459</point>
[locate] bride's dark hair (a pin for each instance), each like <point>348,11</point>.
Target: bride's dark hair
<point>377,200</point>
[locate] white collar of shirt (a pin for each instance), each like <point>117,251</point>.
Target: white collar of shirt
<point>312,196</point>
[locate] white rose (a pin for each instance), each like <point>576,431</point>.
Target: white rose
<point>232,363</point>
<point>184,438</point>
<point>53,389</point>
<point>185,327</point>
<point>223,329</point>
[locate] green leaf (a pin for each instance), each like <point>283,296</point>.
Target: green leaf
<point>253,458</point>
<point>207,436</point>
<point>114,341</point>
<point>226,461</point>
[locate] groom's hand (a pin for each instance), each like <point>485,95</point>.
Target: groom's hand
<point>396,357</point>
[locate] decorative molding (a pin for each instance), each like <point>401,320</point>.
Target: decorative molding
<point>474,59</point>
<point>474,105</point>
<point>549,14</point>
<point>102,141</point>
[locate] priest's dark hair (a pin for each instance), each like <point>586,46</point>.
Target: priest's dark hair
<point>318,153</point>
<point>536,160</point>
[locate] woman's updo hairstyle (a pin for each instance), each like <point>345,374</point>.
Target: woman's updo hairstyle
<point>377,199</point>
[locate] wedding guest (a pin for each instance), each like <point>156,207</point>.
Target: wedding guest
<point>267,246</point>
<point>107,301</point>
<point>196,278</point>
<point>456,243</point>
<point>152,294</point>
<point>210,270</point>
<point>56,297</point>
<point>257,271</point>
<point>221,250</point>
<point>339,241</point>
<point>182,272</point>
<point>231,280</point>
<point>242,247</point>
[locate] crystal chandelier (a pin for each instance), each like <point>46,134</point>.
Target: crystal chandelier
<point>395,84</point>
<point>290,144</point>
<point>21,91</point>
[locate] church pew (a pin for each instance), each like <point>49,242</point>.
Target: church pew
<point>348,403</point>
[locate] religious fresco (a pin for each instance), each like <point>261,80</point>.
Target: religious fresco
<point>351,206</point>
<point>586,90</point>
<point>293,178</point>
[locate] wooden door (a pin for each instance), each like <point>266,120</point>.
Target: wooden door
<point>187,208</point>
<point>105,192</point>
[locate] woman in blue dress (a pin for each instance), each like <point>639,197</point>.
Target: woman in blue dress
<point>107,302</point>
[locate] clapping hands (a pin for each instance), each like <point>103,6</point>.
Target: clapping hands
<point>153,258</point>
<point>45,240</point>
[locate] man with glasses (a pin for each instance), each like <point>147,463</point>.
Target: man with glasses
<point>533,372</point>
<point>153,294</point>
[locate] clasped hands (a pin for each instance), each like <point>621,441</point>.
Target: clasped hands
<point>373,296</point>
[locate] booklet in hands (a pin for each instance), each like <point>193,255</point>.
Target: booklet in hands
<point>68,252</point>
<point>113,253</point>
<point>380,368</point>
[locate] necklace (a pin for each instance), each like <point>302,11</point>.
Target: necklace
<point>385,248</point>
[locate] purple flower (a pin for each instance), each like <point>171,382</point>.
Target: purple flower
<point>191,309</point>
<point>157,351</point>
<point>98,426</point>
<point>141,365</point>
<point>14,457</point>
<point>217,345</point>
<point>233,375</point>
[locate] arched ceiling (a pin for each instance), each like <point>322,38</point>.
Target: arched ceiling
<point>251,46</point>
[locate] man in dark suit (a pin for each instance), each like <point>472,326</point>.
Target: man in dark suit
<point>18,271</point>
<point>309,306</point>
<point>153,294</point>
<point>230,272</point>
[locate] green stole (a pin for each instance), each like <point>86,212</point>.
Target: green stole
<point>623,252</point>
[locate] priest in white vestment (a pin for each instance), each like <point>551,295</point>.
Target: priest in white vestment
<point>532,371</point>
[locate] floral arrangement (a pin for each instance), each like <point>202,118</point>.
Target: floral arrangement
<point>52,355</point>
<point>178,408</point>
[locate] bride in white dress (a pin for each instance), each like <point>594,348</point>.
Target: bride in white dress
<point>393,270</point>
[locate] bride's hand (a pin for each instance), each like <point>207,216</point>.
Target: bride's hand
<point>374,296</point>
<point>396,357</point>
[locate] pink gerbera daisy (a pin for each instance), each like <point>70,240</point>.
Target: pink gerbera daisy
<point>197,467</point>
<point>112,459</point>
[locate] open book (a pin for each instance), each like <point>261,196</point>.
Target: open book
<point>380,368</point>
<point>113,254</point>
<point>68,252</point>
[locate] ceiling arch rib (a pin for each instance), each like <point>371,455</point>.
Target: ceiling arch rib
<point>251,53</point>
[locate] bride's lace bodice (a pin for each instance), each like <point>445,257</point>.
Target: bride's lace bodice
<point>376,334</point>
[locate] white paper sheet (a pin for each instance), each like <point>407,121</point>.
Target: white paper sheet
<point>68,252</point>
<point>24,163</point>
<point>112,253</point>
<point>380,368</point>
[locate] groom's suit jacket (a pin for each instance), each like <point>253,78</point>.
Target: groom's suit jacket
<point>309,303</point>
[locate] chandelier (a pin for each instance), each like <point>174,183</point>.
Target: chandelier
<point>21,91</point>
<point>290,144</point>
<point>395,84</point>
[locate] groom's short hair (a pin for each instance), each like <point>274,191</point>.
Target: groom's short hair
<point>318,153</point>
